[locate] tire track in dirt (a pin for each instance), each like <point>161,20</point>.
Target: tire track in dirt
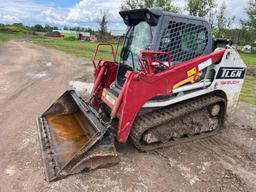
<point>213,163</point>
<point>231,156</point>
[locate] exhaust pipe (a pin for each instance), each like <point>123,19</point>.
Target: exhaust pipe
<point>193,86</point>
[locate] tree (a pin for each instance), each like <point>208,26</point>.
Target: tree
<point>103,25</point>
<point>89,30</point>
<point>48,28</point>
<point>200,8</point>
<point>223,22</point>
<point>166,5</point>
<point>251,13</point>
<point>18,24</point>
<point>38,28</point>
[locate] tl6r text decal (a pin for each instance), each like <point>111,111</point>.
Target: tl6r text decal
<point>231,73</point>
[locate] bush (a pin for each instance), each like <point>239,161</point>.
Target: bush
<point>13,29</point>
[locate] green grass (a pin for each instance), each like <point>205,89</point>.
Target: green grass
<point>78,48</point>
<point>8,36</point>
<point>70,35</point>
<point>248,93</point>
<point>249,90</point>
<point>249,59</point>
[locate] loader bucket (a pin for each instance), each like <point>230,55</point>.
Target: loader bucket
<point>73,139</point>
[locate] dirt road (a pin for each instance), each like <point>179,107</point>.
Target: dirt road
<point>32,77</point>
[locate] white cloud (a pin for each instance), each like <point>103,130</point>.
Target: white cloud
<point>9,18</point>
<point>234,8</point>
<point>53,16</point>
<point>85,13</point>
<point>28,12</point>
<point>91,10</point>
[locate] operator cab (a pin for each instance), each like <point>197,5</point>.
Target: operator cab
<point>183,37</point>
<point>142,26</point>
<point>138,38</point>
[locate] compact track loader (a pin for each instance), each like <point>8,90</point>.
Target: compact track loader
<point>172,84</point>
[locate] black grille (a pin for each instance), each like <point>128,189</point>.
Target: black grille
<point>183,41</point>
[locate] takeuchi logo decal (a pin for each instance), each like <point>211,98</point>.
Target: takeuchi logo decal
<point>231,73</point>
<point>229,82</point>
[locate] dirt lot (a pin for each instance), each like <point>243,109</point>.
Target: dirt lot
<point>32,77</point>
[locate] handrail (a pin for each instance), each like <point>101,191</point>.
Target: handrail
<point>97,49</point>
<point>149,54</point>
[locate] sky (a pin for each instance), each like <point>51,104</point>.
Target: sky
<point>84,13</point>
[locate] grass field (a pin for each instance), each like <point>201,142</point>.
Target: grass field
<point>249,89</point>
<point>69,35</point>
<point>249,59</point>
<point>78,48</point>
<point>7,36</point>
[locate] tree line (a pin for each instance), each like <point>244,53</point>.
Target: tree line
<point>19,27</point>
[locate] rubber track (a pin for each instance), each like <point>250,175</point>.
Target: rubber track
<point>168,115</point>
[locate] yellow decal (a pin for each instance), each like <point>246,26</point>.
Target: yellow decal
<point>191,79</point>
<point>185,81</point>
<point>191,72</point>
<point>104,94</point>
